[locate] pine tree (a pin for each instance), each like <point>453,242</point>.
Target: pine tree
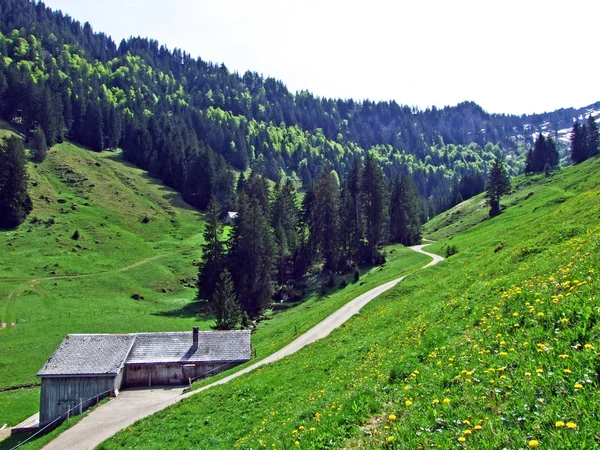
<point>372,205</point>
<point>15,203</point>
<point>252,255</point>
<point>39,145</point>
<point>498,185</point>
<point>325,220</point>
<point>578,144</point>
<point>405,212</point>
<point>284,221</point>
<point>213,252</point>
<point>592,138</point>
<point>225,303</point>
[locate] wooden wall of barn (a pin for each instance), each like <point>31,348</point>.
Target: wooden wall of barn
<point>154,374</point>
<point>59,394</point>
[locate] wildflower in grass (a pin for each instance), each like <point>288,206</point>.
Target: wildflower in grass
<point>446,401</point>
<point>297,443</point>
<point>435,401</point>
<point>527,374</point>
<point>295,432</point>
<point>539,371</point>
<point>559,424</point>
<point>503,354</point>
<point>312,429</point>
<point>478,427</point>
<point>467,432</point>
<point>567,371</point>
<point>392,417</point>
<point>578,386</point>
<point>564,320</point>
<point>408,403</point>
<point>390,439</point>
<point>563,356</point>
<point>533,443</point>
<point>301,427</point>
<point>462,439</point>
<point>571,425</point>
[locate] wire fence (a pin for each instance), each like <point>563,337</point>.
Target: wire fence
<point>63,416</point>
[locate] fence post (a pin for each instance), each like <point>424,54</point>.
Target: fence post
<point>80,405</point>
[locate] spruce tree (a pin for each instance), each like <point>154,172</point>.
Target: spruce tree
<point>225,303</point>
<point>578,144</point>
<point>15,203</point>
<point>592,138</point>
<point>372,205</point>
<point>498,185</point>
<point>252,255</point>
<point>213,252</point>
<point>284,221</point>
<point>325,220</point>
<point>39,145</point>
<point>405,212</point>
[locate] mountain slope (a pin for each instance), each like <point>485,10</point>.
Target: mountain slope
<point>495,347</point>
<point>52,285</point>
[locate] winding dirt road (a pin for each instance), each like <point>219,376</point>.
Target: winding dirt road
<point>130,406</point>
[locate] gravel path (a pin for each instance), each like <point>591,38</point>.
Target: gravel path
<point>132,405</point>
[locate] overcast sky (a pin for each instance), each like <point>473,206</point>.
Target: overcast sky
<point>509,56</point>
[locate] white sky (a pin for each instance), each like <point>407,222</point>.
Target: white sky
<point>508,56</point>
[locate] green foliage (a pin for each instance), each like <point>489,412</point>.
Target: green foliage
<point>225,303</point>
<point>498,185</point>
<point>491,336</point>
<point>213,252</point>
<point>15,202</point>
<point>39,145</point>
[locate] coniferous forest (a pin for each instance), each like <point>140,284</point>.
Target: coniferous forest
<point>369,172</point>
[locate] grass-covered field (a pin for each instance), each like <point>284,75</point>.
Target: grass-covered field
<point>52,285</point>
<point>495,348</point>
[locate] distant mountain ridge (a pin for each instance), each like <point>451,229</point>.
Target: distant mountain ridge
<point>185,119</point>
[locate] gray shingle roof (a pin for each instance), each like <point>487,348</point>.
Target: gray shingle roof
<point>179,347</point>
<point>89,354</point>
<point>105,354</point>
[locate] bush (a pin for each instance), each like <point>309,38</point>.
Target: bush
<point>76,235</point>
<point>356,275</point>
<point>343,284</point>
<point>451,250</point>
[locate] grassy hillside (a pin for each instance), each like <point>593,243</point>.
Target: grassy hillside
<point>497,347</point>
<point>52,284</point>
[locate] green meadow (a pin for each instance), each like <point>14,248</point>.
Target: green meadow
<point>496,347</point>
<point>52,284</point>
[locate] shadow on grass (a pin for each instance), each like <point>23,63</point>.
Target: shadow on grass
<point>199,310</point>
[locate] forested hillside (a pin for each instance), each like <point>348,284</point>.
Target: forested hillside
<point>189,121</point>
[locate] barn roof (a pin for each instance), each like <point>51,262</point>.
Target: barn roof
<point>89,354</point>
<point>105,354</point>
<point>179,347</point>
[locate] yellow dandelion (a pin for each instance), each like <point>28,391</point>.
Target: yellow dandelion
<point>539,371</point>
<point>527,374</point>
<point>571,425</point>
<point>533,443</point>
<point>478,427</point>
<point>563,356</point>
<point>467,432</point>
<point>435,401</point>
<point>578,386</point>
<point>446,401</point>
<point>462,439</point>
<point>301,427</point>
<point>408,403</point>
<point>297,443</point>
<point>559,424</point>
<point>392,417</point>
<point>567,371</point>
<point>390,439</point>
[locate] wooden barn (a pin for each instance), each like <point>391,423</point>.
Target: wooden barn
<point>88,367</point>
<point>173,358</point>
